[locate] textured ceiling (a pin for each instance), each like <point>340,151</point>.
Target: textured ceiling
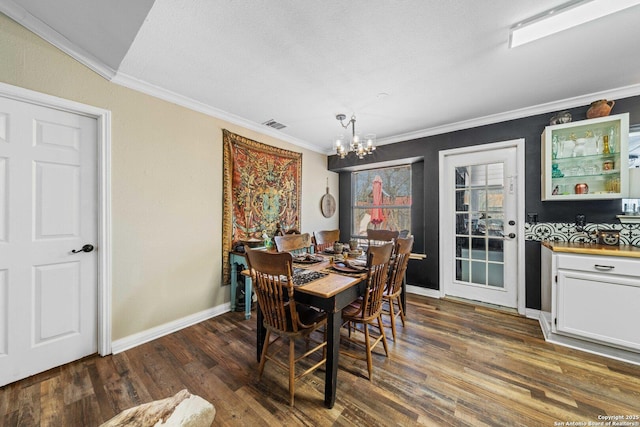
<point>405,68</point>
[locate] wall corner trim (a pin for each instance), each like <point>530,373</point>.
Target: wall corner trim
<point>139,338</point>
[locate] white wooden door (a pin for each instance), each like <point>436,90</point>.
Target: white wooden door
<point>48,209</point>
<point>480,232</point>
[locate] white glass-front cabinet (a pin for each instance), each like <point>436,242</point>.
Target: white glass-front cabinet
<point>587,159</point>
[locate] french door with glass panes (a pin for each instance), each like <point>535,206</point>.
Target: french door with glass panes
<point>479,258</point>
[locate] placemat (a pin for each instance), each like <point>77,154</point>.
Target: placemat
<point>302,276</point>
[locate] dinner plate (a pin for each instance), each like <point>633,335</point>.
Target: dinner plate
<point>340,266</point>
<point>307,260</point>
<point>357,263</point>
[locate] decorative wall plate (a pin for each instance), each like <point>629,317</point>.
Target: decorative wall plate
<point>328,204</point>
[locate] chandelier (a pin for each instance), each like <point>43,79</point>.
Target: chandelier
<point>360,146</point>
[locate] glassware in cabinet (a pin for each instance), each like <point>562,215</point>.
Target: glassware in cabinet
<point>586,159</point>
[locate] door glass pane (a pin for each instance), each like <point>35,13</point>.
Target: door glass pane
<point>479,197</point>
<point>495,174</point>
<point>462,270</point>
<point>496,275</point>
<point>495,250</point>
<point>478,248</point>
<point>478,273</point>
<point>494,199</point>
<point>462,223</point>
<point>461,177</point>
<point>462,247</point>
<point>478,174</point>
<point>462,200</point>
<point>478,200</point>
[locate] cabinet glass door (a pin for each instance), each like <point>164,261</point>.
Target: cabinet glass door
<point>586,159</point>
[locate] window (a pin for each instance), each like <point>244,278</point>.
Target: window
<point>381,199</point>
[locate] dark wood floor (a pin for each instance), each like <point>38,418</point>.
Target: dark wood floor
<point>454,364</point>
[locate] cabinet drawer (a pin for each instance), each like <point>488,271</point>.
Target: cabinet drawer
<point>597,264</point>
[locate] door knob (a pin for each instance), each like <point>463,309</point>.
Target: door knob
<point>85,248</point>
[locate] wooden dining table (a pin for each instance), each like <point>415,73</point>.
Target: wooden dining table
<point>330,293</point>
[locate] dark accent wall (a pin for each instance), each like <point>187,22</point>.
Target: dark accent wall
<point>425,273</point>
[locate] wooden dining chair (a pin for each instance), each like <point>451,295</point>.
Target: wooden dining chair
<point>271,274</point>
<point>294,243</point>
<point>393,290</point>
<point>325,239</point>
<point>377,237</point>
<point>366,311</point>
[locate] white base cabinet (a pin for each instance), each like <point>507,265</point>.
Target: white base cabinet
<point>594,299</point>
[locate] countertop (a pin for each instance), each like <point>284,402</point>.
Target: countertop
<point>593,249</point>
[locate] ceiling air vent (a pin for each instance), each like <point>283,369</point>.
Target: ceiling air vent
<point>273,124</point>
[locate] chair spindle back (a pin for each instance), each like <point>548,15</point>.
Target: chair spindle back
<point>402,252</point>
<point>378,269</point>
<point>272,280</point>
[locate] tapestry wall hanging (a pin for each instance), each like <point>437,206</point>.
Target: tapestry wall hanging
<point>261,190</point>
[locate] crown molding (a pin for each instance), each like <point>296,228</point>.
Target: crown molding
<point>24,18</point>
<point>134,83</point>
<point>36,26</point>
<point>564,104</point>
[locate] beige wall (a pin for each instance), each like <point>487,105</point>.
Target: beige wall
<point>166,185</point>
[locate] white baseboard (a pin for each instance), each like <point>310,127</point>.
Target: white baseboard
<point>545,324</point>
<point>532,313</point>
<point>134,340</point>
<point>583,345</point>
<point>426,292</point>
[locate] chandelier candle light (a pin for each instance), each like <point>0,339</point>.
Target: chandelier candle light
<point>357,145</point>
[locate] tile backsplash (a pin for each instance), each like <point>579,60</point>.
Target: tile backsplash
<point>566,232</point>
